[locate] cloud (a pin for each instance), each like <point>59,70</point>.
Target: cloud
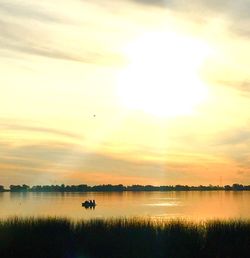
<point>234,145</point>
<point>242,86</point>
<point>41,29</point>
<point>239,9</point>
<point>52,161</point>
<point>162,3</point>
<point>5,126</point>
<point>235,136</point>
<point>24,39</point>
<point>27,11</point>
<point>235,13</point>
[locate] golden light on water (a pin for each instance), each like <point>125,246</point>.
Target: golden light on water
<point>162,76</point>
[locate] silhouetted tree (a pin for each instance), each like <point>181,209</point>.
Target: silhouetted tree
<point>121,188</point>
<point>19,188</point>
<point>238,187</point>
<point>228,187</point>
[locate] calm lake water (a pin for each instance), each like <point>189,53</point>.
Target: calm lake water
<point>188,205</point>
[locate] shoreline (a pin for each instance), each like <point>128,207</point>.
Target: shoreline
<point>129,191</point>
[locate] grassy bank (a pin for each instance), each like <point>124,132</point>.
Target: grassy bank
<point>128,238</point>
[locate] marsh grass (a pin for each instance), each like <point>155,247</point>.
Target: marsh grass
<point>123,238</point>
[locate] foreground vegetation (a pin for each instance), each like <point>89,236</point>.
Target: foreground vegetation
<point>128,238</point>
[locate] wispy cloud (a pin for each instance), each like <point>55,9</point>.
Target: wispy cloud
<point>242,86</point>
<point>40,29</point>
<point>235,137</point>
<point>235,14</point>
<point>234,145</point>
<point>27,11</point>
<point>37,129</point>
<point>46,162</point>
<point>21,37</point>
<point>239,9</point>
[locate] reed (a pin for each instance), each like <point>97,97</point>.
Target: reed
<point>123,238</point>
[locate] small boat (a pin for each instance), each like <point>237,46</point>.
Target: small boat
<point>89,204</point>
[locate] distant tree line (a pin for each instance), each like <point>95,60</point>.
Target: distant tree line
<point>121,188</point>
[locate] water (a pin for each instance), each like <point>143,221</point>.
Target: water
<point>189,205</point>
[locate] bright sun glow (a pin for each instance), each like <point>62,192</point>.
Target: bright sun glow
<point>162,77</point>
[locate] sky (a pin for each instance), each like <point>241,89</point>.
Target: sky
<point>127,91</point>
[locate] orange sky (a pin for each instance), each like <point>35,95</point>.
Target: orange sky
<point>148,92</point>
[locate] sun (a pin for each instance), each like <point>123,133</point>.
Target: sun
<point>162,75</point>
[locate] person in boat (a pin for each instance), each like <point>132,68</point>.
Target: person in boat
<point>89,203</point>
